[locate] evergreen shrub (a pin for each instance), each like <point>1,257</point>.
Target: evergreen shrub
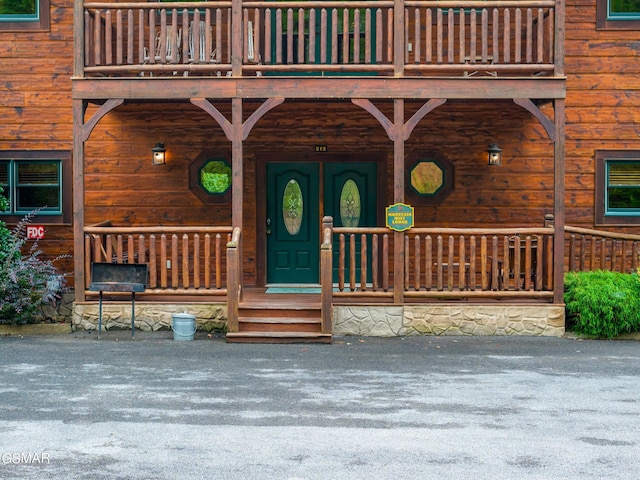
<point>602,304</point>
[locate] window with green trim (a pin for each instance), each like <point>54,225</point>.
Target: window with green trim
<point>623,9</point>
<point>622,196</point>
<point>618,14</point>
<point>617,187</point>
<point>17,15</point>
<point>31,185</point>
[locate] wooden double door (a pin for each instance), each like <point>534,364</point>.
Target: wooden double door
<point>298,195</point>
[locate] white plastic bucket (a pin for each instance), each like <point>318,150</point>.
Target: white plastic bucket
<point>183,326</point>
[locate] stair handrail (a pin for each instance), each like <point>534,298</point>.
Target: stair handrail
<point>326,274</point>
<point>234,279</point>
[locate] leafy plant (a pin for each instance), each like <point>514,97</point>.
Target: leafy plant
<point>27,282</point>
<point>5,233</point>
<point>602,304</point>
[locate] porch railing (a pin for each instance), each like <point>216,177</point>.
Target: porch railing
<point>444,262</point>
<point>589,249</point>
<point>494,37</point>
<point>182,260</point>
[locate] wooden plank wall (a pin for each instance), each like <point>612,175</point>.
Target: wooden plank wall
<point>124,187</point>
<point>35,103</point>
<point>603,96</point>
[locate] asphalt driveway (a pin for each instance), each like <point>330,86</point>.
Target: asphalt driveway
<point>75,407</point>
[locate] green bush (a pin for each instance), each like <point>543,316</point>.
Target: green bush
<point>27,282</point>
<point>602,304</point>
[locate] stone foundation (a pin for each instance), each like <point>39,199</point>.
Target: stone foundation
<point>449,319</point>
<point>366,321</point>
<point>149,316</point>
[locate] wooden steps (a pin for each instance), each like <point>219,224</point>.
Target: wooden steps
<point>277,318</point>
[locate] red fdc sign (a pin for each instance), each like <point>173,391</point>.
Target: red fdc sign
<point>35,232</point>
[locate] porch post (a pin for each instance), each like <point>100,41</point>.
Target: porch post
<point>237,179</point>
<point>236,161</point>
<point>398,197</point>
<point>558,210</point>
<point>78,200</point>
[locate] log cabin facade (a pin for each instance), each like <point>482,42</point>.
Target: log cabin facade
<point>289,127</point>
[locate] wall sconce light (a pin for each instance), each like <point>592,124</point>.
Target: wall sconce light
<point>159,154</point>
<point>495,154</point>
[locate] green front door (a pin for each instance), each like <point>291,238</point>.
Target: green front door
<point>293,223</point>
<point>350,193</point>
<point>294,200</point>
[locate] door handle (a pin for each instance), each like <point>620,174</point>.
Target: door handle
<point>268,231</point>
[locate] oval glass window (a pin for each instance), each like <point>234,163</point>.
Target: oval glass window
<point>350,204</point>
<point>292,207</point>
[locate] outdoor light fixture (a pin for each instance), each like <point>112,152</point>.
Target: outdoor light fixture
<point>159,154</point>
<point>495,154</point>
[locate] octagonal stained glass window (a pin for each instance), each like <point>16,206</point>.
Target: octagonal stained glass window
<point>427,177</point>
<point>215,177</point>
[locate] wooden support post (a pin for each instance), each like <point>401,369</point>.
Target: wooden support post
<point>78,200</point>
<point>237,49</point>
<point>237,184</point>
<point>78,42</point>
<point>398,42</point>
<point>558,200</point>
<point>398,197</point>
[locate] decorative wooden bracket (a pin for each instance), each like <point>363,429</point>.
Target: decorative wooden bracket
<point>420,114</point>
<point>205,105</point>
<point>260,112</point>
<point>546,123</point>
<point>247,126</point>
<point>388,125</point>
<point>106,107</point>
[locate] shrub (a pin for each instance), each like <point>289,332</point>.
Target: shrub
<point>602,304</point>
<point>27,282</point>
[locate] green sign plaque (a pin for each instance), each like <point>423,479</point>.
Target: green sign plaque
<point>399,217</point>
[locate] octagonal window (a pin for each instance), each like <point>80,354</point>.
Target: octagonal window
<point>429,177</point>
<point>215,177</point>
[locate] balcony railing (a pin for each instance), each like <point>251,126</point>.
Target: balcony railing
<point>320,38</point>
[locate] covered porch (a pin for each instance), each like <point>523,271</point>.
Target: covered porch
<point>237,62</point>
<point>477,274</point>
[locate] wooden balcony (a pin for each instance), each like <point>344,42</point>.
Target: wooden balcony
<point>267,40</point>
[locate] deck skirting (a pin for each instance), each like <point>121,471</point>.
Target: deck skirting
<point>449,319</point>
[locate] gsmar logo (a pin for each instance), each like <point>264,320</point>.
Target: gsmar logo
<point>27,458</point>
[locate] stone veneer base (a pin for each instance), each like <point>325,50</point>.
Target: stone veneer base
<point>150,316</point>
<point>449,319</point>
<point>367,321</point>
